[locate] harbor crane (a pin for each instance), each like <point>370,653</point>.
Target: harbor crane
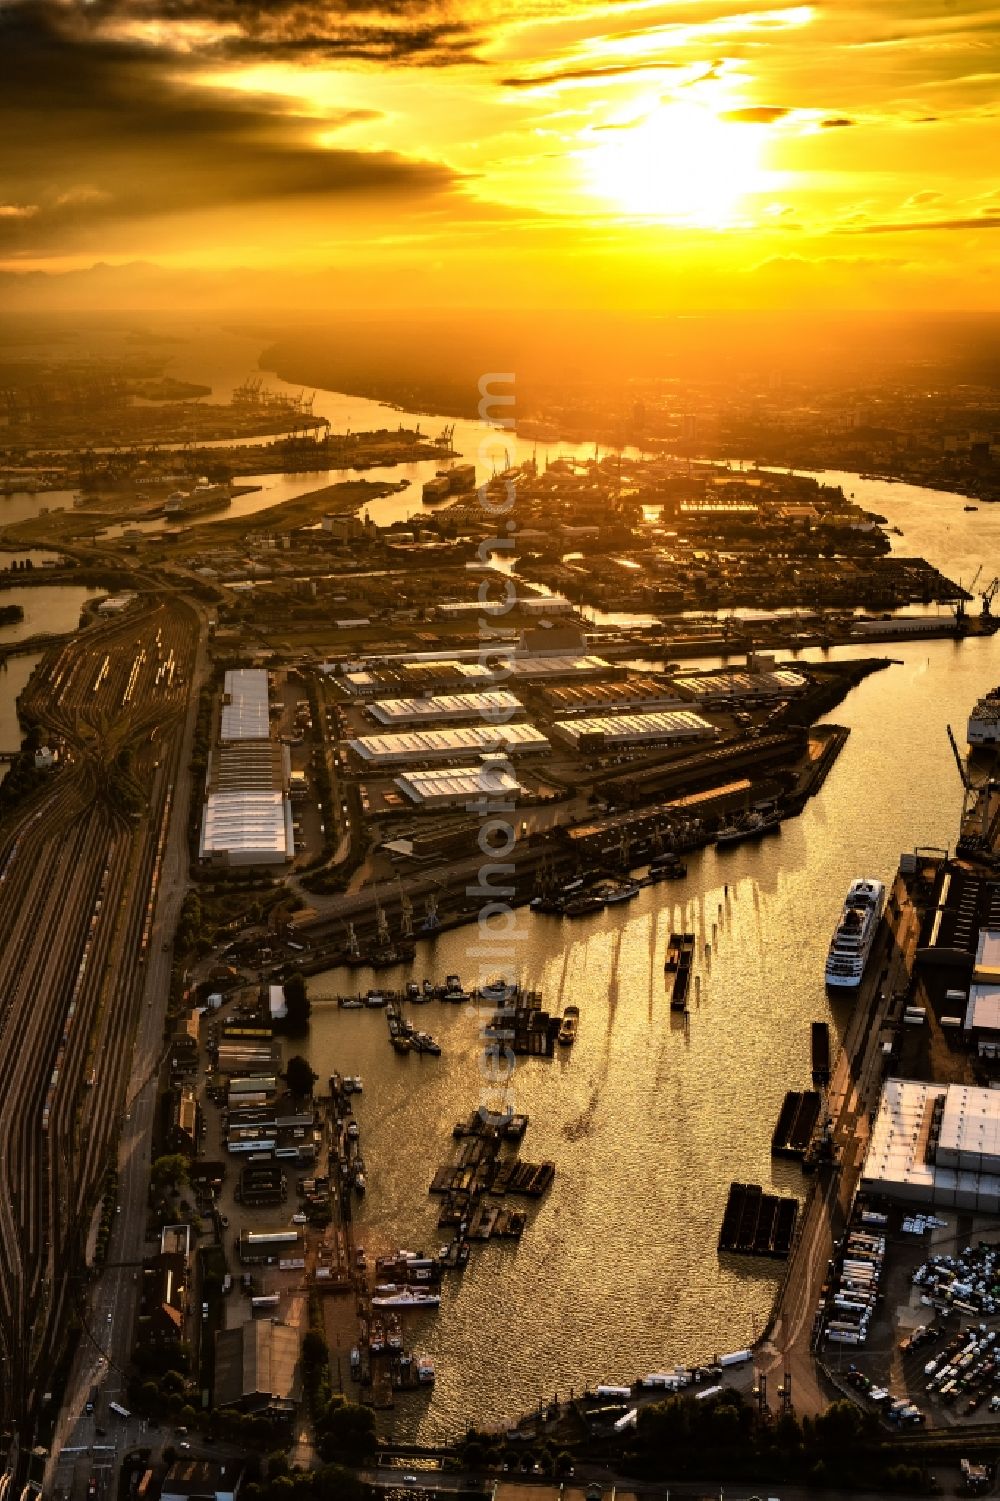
<point>989,594</point>
<point>973,792</point>
<point>960,604</point>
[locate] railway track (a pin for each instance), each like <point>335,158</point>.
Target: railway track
<point>78,871</point>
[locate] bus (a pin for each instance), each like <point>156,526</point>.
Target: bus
<point>119,1410</point>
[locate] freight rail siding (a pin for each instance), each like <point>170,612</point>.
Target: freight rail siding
<point>77,867</point>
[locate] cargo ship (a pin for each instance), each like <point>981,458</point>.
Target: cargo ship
<point>854,934</point>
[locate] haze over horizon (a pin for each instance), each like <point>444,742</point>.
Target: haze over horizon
<point>641,154</point>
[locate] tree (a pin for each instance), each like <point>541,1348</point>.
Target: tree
<point>299,1076</point>
<point>296,1003</point>
<point>346,1430</point>
<point>168,1172</point>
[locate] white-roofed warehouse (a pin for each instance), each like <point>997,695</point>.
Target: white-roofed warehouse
<point>245,705</point>
<point>936,1144</point>
<point>492,707</point>
<point>613,730</point>
<point>449,786</point>
<point>247,828</point>
<point>446,745</point>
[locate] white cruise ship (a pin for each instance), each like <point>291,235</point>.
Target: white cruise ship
<point>855,933</point>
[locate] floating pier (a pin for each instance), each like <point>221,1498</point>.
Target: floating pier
<point>756,1223</point>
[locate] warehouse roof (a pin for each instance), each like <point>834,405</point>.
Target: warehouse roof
<point>494,705</point>
<point>258,1359</point>
<point>661,725</point>
<point>459,784</point>
<point>703,685</point>
<point>966,1154</point>
<point>245,706</point>
<point>473,740</point>
<point>245,823</point>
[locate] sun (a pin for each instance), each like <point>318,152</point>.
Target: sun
<point>682,163</point>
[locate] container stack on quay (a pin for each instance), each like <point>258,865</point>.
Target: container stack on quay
<point>853,1288</point>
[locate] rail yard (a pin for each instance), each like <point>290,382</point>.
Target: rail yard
<point>79,867</point>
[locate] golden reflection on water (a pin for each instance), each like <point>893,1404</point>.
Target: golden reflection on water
<point>647,1120</point>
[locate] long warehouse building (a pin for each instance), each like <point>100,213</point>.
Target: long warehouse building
<point>609,732</point>
<point>470,741</point>
<point>457,786</point>
<point>495,707</point>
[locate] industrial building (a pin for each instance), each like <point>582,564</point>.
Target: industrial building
<point>452,786</point>
<point>250,766</point>
<point>257,1368</point>
<point>936,1144</point>
<point>612,732</point>
<point>247,828</point>
<point>446,745</point>
<point>982,1009</point>
<point>247,816</point>
<point>245,714</point>
<point>496,706</point>
<point>716,689</point>
<point>635,694</point>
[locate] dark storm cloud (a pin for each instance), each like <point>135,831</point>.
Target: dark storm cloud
<point>107,130</point>
<point>585,73</point>
<point>404,31</point>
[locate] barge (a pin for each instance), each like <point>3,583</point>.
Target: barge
<point>756,1223</point>
<point>680,956</point>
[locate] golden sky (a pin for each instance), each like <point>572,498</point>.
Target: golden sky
<point>702,154</point>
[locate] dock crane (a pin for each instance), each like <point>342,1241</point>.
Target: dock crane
<point>972,791</point>
<point>960,603</point>
<point>989,593</point>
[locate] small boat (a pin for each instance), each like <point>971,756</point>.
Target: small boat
<point>353,1084</point>
<point>375,998</point>
<point>623,893</point>
<point>569,1025</point>
<point>355,1362</point>
<point>353,1129</point>
<point>970,508</point>
<point>425,1370</point>
<point>582,906</point>
<point>400,1043</point>
<point>350,1003</point>
<point>359,1182</point>
<point>406,1297</point>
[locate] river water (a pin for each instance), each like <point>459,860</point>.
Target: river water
<point>646,1120</point>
